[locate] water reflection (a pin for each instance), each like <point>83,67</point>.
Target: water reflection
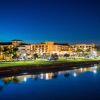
<point>47,76</point>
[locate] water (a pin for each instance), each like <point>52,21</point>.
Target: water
<point>75,84</point>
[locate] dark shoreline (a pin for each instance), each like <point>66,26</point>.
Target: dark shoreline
<point>15,70</point>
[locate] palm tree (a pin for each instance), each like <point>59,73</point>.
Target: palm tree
<point>14,52</point>
<point>6,52</point>
<point>10,52</point>
<point>66,55</point>
<point>80,52</point>
<point>1,51</point>
<point>88,50</point>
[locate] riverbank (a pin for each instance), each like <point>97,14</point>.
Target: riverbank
<point>43,66</point>
<point>42,62</point>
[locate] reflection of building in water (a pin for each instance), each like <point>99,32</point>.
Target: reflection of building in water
<point>77,72</point>
<point>6,80</point>
<point>46,76</point>
<point>50,75</point>
<point>86,69</point>
<point>23,78</point>
<point>16,79</point>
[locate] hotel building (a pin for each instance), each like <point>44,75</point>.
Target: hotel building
<point>46,47</point>
<point>61,48</point>
<point>50,48</point>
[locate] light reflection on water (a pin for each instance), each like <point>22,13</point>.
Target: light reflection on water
<point>75,84</point>
<point>50,75</point>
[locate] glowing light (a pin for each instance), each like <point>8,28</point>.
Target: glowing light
<point>95,67</point>
<point>94,71</point>
<point>74,74</point>
<point>25,79</point>
<point>41,76</point>
<point>85,69</point>
<point>25,73</point>
<point>24,54</point>
<point>81,69</point>
<point>47,77</point>
<point>94,53</point>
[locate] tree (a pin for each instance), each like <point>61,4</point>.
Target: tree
<point>56,56</point>
<point>14,52</point>
<point>53,57</point>
<point>79,52</point>
<point>10,52</point>
<point>88,50</point>
<point>35,56</point>
<point>44,56</point>
<point>1,49</point>
<point>66,55</point>
<point>6,52</point>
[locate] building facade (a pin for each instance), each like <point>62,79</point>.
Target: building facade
<point>46,47</point>
<point>61,48</point>
<point>50,48</point>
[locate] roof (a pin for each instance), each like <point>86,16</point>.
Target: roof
<point>24,44</point>
<point>16,40</point>
<point>62,44</point>
<point>5,43</point>
<point>10,43</point>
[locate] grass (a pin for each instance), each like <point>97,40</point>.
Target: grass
<point>41,62</point>
<point>22,63</point>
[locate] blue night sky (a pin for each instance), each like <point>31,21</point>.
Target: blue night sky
<point>72,21</point>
